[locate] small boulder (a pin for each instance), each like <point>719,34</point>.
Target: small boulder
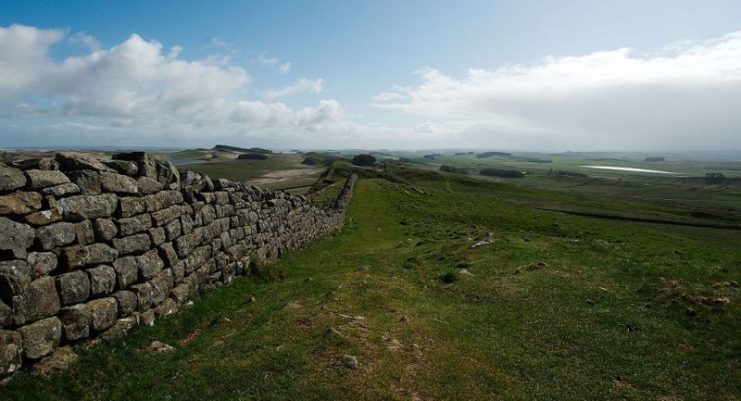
<point>350,361</point>
<point>10,179</point>
<point>40,338</point>
<point>46,178</point>
<point>160,347</point>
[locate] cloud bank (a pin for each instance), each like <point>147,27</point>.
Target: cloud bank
<point>685,96</point>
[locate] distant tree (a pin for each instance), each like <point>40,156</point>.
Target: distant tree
<point>654,159</point>
<point>309,161</point>
<point>363,160</point>
<point>714,178</point>
<point>495,172</point>
<point>454,170</point>
<point>490,154</point>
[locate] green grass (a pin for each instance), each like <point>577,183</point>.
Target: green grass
<point>244,170</point>
<point>606,319</point>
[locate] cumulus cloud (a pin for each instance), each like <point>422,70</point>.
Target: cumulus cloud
<point>139,88</point>
<point>685,96</point>
<point>274,63</point>
<point>301,85</point>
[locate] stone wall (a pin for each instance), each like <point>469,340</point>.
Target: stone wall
<point>94,248</point>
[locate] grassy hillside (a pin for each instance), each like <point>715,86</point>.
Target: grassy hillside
<point>555,307</point>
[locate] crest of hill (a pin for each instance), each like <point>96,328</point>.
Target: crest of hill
<point>229,148</point>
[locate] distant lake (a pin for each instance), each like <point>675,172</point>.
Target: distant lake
<point>630,169</point>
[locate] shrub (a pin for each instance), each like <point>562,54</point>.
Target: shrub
<point>449,277</point>
<point>495,172</point>
<point>363,160</point>
<point>714,178</point>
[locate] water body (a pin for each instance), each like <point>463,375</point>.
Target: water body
<point>630,169</point>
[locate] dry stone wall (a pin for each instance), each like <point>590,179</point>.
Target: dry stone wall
<point>93,248</point>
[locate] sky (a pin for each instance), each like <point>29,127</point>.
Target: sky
<point>416,74</point>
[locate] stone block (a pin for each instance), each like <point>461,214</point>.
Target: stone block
<point>132,244</point>
<point>45,178</point>
<point>40,338</point>
<point>127,271</point>
<point>103,313</point>
<point>105,229</point>
<point>83,207</point>
<point>20,202</point>
<point>133,225</point>
<point>73,287</point>
<point>75,321</point>
<point>11,178</point>
<point>102,280</point>
<point>11,350</point>
<point>127,302</point>
<point>15,235</point>
<point>117,183</point>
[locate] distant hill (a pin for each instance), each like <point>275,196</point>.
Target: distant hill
<point>229,148</point>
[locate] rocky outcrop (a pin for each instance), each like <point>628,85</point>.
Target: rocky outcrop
<point>93,248</point>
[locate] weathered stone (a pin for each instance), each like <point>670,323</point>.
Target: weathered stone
<point>143,293</point>
<point>167,307</point>
<point>181,293</point>
<point>15,235</point>
<point>69,161</point>
<point>148,185</point>
<point>104,312</point>
<point>163,199</point>
<point>20,202</point>
<point>44,217</point>
<point>147,317</point>
<point>178,272</point>
<point>162,283</point>
<point>38,301</point>
<point>133,225</point>
<point>130,206</point>
<point>73,287</point>
<point>87,181</point>
<point>132,244</point>
<point>149,264</point>
<point>40,338</point>
<point>122,166</point>
<point>105,229</point>
<point>80,255</point>
<point>175,176</point>
<point>62,190</point>
<point>6,315</point>
<point>184,245</point>
<point>102,280</point>
<point>188,178</point>
<point>168,254</point>
<point>157,234</point>
<point>117,183</point>
<point>10,179</point>
<point>58,362</point>
<point>173,230</point>
<point>83,207</point>
<point>119,329</point>
<point>127,271</point>
<point>41,263</point>
<point>75,321</point>
<point>85,233</point>
<point>46,178</point>
<point>127,302</point>
<point>11,352</point>
<point>56,235</point>
<point>15,277</point>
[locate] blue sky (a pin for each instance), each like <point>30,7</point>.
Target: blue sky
<point>393,74</point>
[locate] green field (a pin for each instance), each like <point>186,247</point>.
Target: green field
<point>616,310</point>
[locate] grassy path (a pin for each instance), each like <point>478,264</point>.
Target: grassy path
<point>606,319</point>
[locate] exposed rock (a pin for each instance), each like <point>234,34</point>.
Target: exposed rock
<point>44,217</point>
<point>10,179</point>
<point>40,338</point>
<point>69,161</point>
<point>87,181</point>
<point>15,235</point>
<point>56,235</point>
<point>11,352</point>
<point>161,283</point>
<point>127,302</point>
<point>167,307</point>
<point>164,174</point>
<point>160,347</point>
<point>75,321</point>
<point>133,225</point>
<point>39,300</point>
<point>41,263</point>
<point>83,207</point>
<point>143,293</point>
<point>537,266</point>
<point>144,162</point>
<point>104,229</point>
<point>132,244</point>
<point>149,264</point>
<point>181,293</point>
<point>15,276</point>
<point>46,178</point>
<point>175,181</point>
<point>102,280</point>
<point>350,361</point>
<point>73,287</point>
<point>117,183</point>
<point>147,318</point>
<point>122,166</point>
<point>20,202</point>
<point>148,185</point>
<point>104,312</point>
<point>164,216</point>
<point>157,235</point>
<point>127,271</point>
<point>59,361</point>
<point>62,190</point>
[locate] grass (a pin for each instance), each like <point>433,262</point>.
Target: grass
<point>607,318</point>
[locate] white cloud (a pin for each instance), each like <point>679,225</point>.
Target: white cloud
<point>685,96</point>
<point>140,89</point>
<point>276,64</point>
<point>301,85</point>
